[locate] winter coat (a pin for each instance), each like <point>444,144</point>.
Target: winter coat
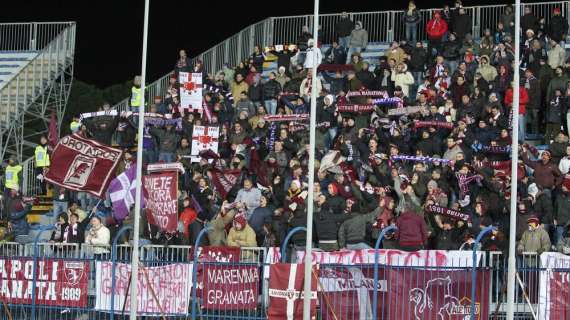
<point>564,165</point>
<point>259,217</point>
<point>556,83</point>
<point>353,230</point>
<point>436,27</point>
<point>100,239</point>
<point>451,50</point>
<point>104,136</point>
<point>411,18</point>
<point>554,111</point>
<point>542,208</point>
<point>556,57</point>
<point>344,27</point>
<point>237,89</point>
<point>168,140</point>
<point>557,27</point>
<point>462,25</point>
<point>397,54</point>
<point>242,238</point>
<point>412,230</point>
<point>403,79</point>
<point>488,72</point>
<point>217,232</point>
<point>327,222</point>
<point>18,217</point>
<point>255,93</point>
<point>418,60</point>
<point>562,209</point>
<point>358,37</point>
<point>534,93</point>
<point>523,96</point>
<point>534,241</point>
<point>545,175</point>
<point>313,55</point>
<point>245,105</point>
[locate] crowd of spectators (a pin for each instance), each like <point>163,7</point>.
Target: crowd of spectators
<point>421,140</point>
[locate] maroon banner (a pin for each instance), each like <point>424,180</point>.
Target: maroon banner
<point>347,292</point>
<point>82,164</point>
<point>230,287</point>
<point>559,295</point>
<point>286,283</point>
<point>224,180</point>
<point>59,283</point>
<point>160,191</point>
<point>437,294</point>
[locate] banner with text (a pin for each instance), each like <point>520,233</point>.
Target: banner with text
<point>162,290</point>
<point>160,192</point>
<point>81,164</point>
<point>230,287</point>
<point>204,138</point>
<point>190,91</point>
<point>59,283</point>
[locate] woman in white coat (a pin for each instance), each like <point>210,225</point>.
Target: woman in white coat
<point>313,53</point>
<point>99,237</point>
<point>403,78</point>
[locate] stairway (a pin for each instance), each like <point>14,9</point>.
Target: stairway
<point>41,211</point>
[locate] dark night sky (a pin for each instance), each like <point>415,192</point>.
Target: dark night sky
<point>109,34</point>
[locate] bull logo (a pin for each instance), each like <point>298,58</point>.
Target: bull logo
<point>74,272</point>
<point>79,171</point>
<point>447,305</point>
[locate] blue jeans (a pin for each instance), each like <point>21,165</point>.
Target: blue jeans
<point>411,32</point>
<point>149,156</point>
<point>358,246</point>
<point>343,42</point>
<point>558,234</point>
<point>522,127</point>
<point>351,51</point>
<point>329,137</point>
<point>271,106</point>
<point>167,157</point>
<point>59,207</point>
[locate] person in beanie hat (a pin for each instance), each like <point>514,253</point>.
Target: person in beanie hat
<point>241,234</point>
<point>535,239</point>
<point>558,26</point>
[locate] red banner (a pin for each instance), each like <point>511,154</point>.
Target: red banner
<point>219,254</point>
<point>160,192</point>
<point>82,164</point>
<point>559,295</point>
<point>286,292</point>
<point>58,283</point>
<point>437,294</point>
<point>224,180</point>
<point>230,287</point>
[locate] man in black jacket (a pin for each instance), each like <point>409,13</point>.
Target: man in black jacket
<point>343,28</point>
<point>529,21</point>
<point>462,24</point>
<point>271,90</point>
<point>558,26</point>
<point>336,54</point>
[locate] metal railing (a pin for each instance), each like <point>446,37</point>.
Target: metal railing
<point>382,26</point>
<point>29,36</point>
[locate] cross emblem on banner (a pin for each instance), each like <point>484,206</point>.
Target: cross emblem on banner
<point>205,140</point>
<point>192,86</point>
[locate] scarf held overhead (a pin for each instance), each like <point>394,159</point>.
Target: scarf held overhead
<point>451,213</point>
<point>420,159</point>
<point>356,108</point>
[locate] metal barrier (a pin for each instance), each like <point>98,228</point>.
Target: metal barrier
<point>345,289</point>
<point>29,36</point>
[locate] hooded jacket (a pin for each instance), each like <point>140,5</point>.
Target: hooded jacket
<point>488,72</point>
<point>436,27</point>
<point>358,36</point>
<point>403,79</point>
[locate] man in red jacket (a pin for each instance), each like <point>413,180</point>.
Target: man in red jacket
<point>436,29</point>
<point>412,231</point>
<point>523,100</point>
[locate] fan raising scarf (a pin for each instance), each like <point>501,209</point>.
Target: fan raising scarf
<point>464,181</point>
<point>272,136</point>
<point>454,214</point>
<point>436,124</point>
<point>420,159</point>
<point>403,111</point>
<point>367,93</point>
<point>388,101</point>
<point>286,117</point>
<point>356,108</point>
<point>98,114</point>
<point>478,147</point>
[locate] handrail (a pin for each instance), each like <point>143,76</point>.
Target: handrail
<point>388,22</point>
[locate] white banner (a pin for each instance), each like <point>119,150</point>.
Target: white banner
<point>161,290</point>
<point>190,91</point>
<point>204,138</point>
<point>423,258</point>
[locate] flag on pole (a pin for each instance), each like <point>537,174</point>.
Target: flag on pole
<point>122,191</point>
<point>53,132</point>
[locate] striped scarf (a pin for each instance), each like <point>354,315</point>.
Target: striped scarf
<point>367,93</point>
<point>98,114</point>
<point>436,124</point>
<point>464,181</point>
<point>420,159</point>
<point>356,108</point>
